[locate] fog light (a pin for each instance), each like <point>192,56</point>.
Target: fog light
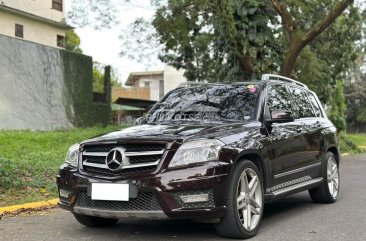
<point>195,198</point>
<point>64,193</point>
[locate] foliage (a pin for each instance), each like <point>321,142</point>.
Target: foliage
<point>228,39</point>
<point>98,78</point>
<point>73,42</point>
<point>352,143</point>
<point>33,172</point>
<point>80,109</point>
<point>337,112</point>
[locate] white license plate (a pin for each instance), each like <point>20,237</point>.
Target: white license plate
<point>110,191</point>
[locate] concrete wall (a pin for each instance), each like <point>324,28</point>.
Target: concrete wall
<point>34,31</point>
<point>44,88</point>
<point>172,78</point>
<point>154,81</point>
<point>31,93</point>
<point>42,8</point>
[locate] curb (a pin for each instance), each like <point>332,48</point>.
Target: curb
<point>27,206</point>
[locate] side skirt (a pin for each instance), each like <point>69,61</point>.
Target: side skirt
<point>295,186</point>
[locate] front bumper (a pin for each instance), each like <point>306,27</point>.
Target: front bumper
<point>158,195</point>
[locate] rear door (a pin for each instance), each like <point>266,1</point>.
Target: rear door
<point>310,116</point>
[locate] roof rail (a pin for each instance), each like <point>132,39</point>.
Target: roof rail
<point>282,78</point>
<point>192,83</point>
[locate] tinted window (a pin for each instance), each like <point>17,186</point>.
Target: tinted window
<point>314,103</point>
<point>206,103</point>
<point>278,98</point>
<point>302,104</point>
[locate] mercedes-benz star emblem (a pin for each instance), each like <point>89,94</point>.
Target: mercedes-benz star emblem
<point>116,159</point>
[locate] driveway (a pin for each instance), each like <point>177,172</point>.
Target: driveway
<point>294,218</point>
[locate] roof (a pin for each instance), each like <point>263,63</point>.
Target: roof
<point>134,75</point>
<point>117,107</point>
<point>34,17</point>
<point>134,102</point>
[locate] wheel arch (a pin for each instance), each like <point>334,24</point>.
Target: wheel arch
<point>255,157</point>
<point>335,151</point>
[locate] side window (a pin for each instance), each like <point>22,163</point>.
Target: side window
<point>315,104</point>
<point>278,98</point>
<point>303,106</point>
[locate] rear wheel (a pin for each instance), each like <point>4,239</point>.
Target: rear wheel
<point>244,203</point>
<point>329,190</point>
<point>91,221</point>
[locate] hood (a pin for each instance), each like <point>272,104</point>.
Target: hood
<point>172,132</point>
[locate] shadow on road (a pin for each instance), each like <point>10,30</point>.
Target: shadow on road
<point>179,229</point>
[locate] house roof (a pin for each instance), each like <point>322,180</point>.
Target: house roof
<point>135,75</point>
<point>34,17</point>
<point>139,103</point>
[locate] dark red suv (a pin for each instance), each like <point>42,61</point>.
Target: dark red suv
<point>212,152</point>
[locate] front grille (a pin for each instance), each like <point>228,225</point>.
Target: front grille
<point>209,204</point>
<point>142,158</point>
<point>143,202</point>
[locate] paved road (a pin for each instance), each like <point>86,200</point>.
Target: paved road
<point>295,218</point>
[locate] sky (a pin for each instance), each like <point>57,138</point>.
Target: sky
<point>104,45</point>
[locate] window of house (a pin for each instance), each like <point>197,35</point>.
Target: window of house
<point>19,30</point>
<point>57,5</point>
<point>61,41</point>
<point>146,84</point>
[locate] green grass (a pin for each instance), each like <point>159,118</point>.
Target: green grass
<point>29,161</point>
<point>359,139</point>
<point>353,143</point>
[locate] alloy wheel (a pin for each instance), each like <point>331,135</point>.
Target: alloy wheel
<point>333,177</point>
<point>249,199</point>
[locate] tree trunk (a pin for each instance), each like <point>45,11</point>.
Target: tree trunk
<point>247,66</point>
<point>290,59</point>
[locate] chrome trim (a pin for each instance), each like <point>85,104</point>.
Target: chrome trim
<point>143,153</point>
<point>119,214</point>
<point>147,164</point>
<point>95,153</point>
<point>297,186</point>
<point>297,170</point>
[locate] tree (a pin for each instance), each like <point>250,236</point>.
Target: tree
<point>73,42</point>
<point>98,78</point>
<point>233,39</point>
<point>299,32</point>
<point>338,108</point>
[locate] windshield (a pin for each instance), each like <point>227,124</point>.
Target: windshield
<point>206,104</point>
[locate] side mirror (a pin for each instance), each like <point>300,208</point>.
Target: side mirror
<point>280,116</point>
<point>139,121</point>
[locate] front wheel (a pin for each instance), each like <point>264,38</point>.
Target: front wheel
<point>91,221</point>
<point>329,190</point>
<point>244,203</point>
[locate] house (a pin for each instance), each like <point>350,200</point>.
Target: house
<point>159,82</point>
<point>39,21</point>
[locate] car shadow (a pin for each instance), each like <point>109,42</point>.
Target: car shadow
<point>186,229</point>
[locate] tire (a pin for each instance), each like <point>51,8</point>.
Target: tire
<point>234,223</point>
<point>329,190</point>
<point>95,222</point>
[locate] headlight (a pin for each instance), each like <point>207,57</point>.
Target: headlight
<point>196,152</point>
<point>72,155</point>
